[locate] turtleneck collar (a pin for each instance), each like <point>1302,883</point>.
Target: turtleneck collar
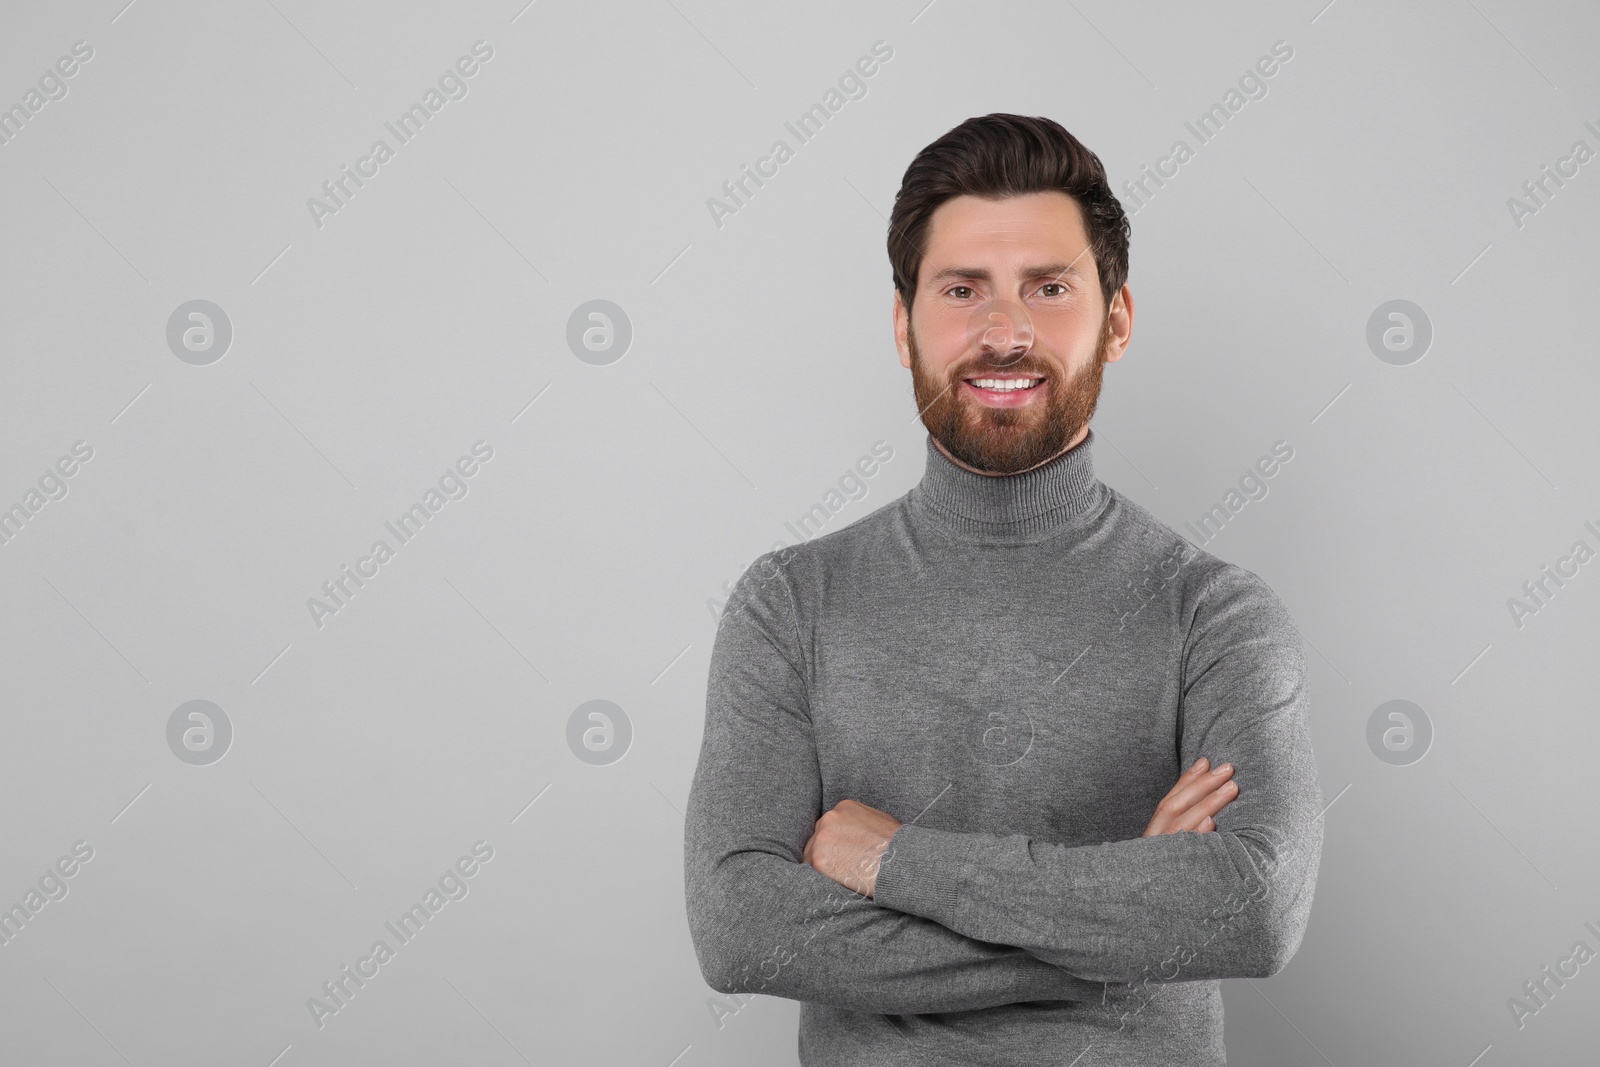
<point>1009,508</point>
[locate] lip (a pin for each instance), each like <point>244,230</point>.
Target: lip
<point>1014,398</point>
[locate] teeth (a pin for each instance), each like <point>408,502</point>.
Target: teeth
<point>1003,385</point>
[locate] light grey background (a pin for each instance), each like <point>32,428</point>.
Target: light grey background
<point>586,559</point>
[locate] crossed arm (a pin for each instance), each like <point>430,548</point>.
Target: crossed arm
<point>851,837</point>
<point>777,898</point>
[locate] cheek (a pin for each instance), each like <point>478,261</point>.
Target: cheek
<point>1069,334</point>
<point>942,338</point>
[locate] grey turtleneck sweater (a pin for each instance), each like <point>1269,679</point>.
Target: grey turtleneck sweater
<point>1018,669</point>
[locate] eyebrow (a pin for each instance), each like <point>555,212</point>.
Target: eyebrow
<point>980,274</point>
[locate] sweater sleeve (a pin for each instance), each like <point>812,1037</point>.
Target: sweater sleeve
<point>1232,903</point>
<point>763,921</point>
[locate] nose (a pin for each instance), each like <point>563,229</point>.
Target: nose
<point>1001,331</point>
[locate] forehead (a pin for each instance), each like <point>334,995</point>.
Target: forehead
<point>1034,227</point>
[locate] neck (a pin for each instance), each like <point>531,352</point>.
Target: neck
<point>982,506</point>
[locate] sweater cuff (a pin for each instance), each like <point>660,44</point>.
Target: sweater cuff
<point>921,873</point>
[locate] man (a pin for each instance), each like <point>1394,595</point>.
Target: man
<point>955,792</point>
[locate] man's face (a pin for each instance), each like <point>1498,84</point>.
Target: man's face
<point>1008,292</point>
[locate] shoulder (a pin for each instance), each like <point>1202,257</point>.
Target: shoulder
<point>785,584</point>
<point>807,564</point>
<point>1213,590</point>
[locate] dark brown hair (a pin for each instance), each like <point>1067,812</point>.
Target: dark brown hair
<point>996,156</point>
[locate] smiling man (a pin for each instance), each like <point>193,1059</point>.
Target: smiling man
<point>956,791</point>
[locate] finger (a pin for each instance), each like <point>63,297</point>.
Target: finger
<point>1203,783</point>
<point>1195,814</point>
<point>1207,825</point>
<point>1185,795</point>
<point>1210,805</point>
<point>1221,797</point>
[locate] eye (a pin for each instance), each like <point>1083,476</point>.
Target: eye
<point>957,290</point>
<point>1057,285</point>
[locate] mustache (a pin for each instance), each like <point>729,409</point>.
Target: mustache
<point>985,368</point>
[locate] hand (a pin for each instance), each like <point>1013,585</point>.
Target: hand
<point>1191,803</point>
<point>848,842</point>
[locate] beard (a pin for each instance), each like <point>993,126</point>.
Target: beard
<point>1007,440</point>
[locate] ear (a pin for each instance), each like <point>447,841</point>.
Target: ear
<point>1120,324</point>
<point>902,323</point>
